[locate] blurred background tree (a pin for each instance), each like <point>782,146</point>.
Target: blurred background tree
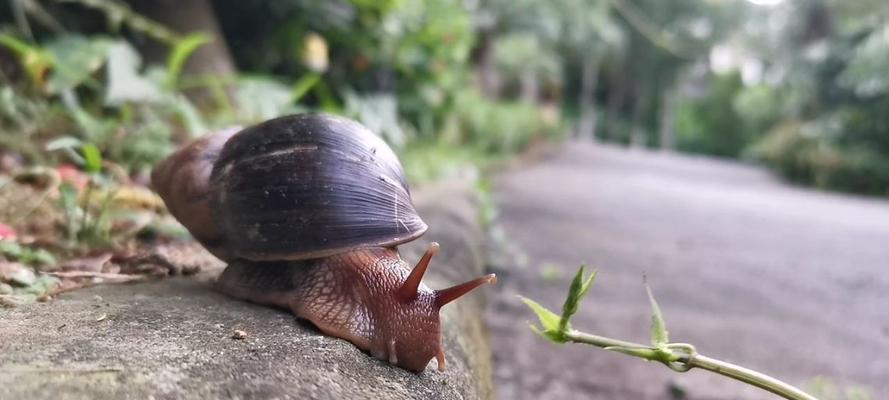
<point>799,85</point>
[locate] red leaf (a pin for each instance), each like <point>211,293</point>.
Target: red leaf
<point>6,232</point>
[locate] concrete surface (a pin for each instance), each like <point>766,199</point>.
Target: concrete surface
<point>172,339</point>
<point>789,281</point>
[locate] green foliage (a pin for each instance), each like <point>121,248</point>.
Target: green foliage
<point>401,68</point>
<point>488,209</point>
<point>182,49</point>
<point>119,14</point>
<point>659,334</point>
<point>405,68</point>
<point>580,285</point>
<point>34,60</point>
<point>499,127</point>
<point>803,154</point>
<point>865,72</point>
<point>555,327</point>
<point>74,60</point>
<point>834,92</point>
<point>379,112</point>
<point>549,322</point>
<point>86,217</point>
<point>129,115</point>
<point>24,121</point>
<point>125,81</point>
<point>26,255</point>
<point>679,357</point>
<point>759,107</point>
<point>517,55</point>
<point>711,124</point>
<point>425,161</point>
<point>408,55</point>
<point>260,98</point>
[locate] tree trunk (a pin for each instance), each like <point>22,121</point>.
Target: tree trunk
<point>485,73</point>
<point>530,87</point>
<point>187,16</point>
<point>639,133</point>
<point>667,132</point>
<point>617,91</point>
<point>586,128</point>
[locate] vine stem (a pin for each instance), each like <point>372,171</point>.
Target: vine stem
<point>691,359</point>
<point>746,375</point>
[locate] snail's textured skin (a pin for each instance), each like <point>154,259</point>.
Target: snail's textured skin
<point>307,210</point>
<point>350,295</point>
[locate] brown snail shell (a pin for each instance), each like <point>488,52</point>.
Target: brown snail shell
<point>308,210</point>
<point>307,186</point>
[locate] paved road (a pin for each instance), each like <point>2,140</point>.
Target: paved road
<point>789,281</point>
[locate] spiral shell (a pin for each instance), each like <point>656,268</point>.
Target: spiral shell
<point>307,186</point>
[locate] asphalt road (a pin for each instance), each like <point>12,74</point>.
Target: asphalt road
<point>789,281</point>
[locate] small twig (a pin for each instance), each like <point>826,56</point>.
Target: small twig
<point>110,277</point>
<point>679,357</point>
<point>748,376</point>
<point>122,13</point>
<point>693,359</point>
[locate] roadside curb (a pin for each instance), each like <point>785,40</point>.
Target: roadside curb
<point>173,338</point>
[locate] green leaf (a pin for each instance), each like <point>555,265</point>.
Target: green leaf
<point>35,60</point>
<point>69,146</point>
<point>76,59</point>
<point>92,158</point>
<point>43,285</point>
<point>578,289</point>
<point>548,319</point>
<point>21,48</point>
<point>550,335</point>
<point>659,335</point>
<point>304,84</point>
<point>41,257</point>
<point>10,249</point>
<point>865,70</point>
<point>262,98</point>
<point>183,49</point>
<point>378,112</point>
<point>25,255</point>
<point>68,199</point>
<point>125,84</point>
<point>537,330</point>
<point>64,142</point>
<point>189,115</point>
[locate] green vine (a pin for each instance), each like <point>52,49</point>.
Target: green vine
<point>679,357</point>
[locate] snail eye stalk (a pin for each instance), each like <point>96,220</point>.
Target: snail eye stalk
<point>408,290</point>
<point>452,293</point>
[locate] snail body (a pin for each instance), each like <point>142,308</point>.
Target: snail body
<point>307,210</point>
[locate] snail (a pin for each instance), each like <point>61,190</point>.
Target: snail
<point>308,210</point>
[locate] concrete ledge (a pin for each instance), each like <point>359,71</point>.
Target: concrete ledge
<point>173,338</point>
